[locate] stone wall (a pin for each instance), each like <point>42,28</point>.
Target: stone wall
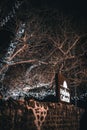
<point>63,117</point>
<point>33,115</point>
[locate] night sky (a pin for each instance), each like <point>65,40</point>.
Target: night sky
<point>75,8</point>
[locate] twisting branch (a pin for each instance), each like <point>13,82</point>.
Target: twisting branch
<point>44,49</point>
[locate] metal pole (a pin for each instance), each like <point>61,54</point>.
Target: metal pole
<point>75,96</point>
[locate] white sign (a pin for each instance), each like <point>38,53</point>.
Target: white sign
<point>64,93</point>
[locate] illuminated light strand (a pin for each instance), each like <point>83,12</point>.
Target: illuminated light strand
<point>11,14</point>
<point>13,44</point>
<point>8,55</point>
<point>81,97</point>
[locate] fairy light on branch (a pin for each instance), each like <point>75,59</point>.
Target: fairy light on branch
<point>11,14</point>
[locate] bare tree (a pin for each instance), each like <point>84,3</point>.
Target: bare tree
<point>43,45</point>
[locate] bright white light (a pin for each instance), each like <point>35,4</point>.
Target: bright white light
<point>65,84</point>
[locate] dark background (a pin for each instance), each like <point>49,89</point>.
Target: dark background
<point>75,8</point>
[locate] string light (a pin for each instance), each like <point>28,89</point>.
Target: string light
<point>11,14</point>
